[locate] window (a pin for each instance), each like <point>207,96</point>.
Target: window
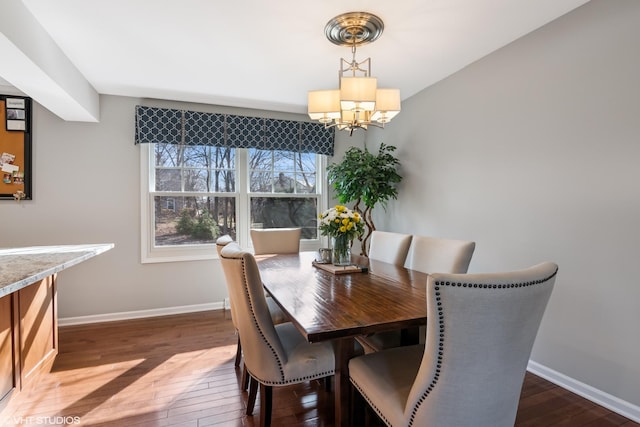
<point>194,194</point>
<point>282,190</point>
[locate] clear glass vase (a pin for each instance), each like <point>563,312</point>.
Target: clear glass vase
<point>341,250</point>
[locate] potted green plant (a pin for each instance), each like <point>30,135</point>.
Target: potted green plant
<point>366,179</point>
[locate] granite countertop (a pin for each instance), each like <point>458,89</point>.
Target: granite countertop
<point>20,267</point>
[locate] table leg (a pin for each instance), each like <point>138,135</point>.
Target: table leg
<point>344,352</point>
<point>409,336</point>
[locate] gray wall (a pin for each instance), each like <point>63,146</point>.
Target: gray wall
<point>87,190</point>
<point>534,153</point>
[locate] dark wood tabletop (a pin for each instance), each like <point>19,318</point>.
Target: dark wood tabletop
<point>325,306</point>
<point>328,306</point>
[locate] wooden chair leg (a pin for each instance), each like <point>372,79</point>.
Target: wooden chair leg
<point>245,378</point>
<point>266,395</point>
<point>327,384</point>
<point>253,391</point>
<point>238,353</point>
<point>358,408</point>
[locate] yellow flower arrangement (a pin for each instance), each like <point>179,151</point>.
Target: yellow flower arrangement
<point>341,221</point>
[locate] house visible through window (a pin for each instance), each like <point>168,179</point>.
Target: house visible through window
<point>282,190</point>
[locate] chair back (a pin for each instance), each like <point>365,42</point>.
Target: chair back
<point>436,255</point>
<point>480,333</point>
<point>389,247</point>
<point>263,351</point>
<point>223,241</point>
<point>275,240</point>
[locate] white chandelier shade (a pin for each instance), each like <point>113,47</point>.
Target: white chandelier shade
<point>324,105</point>
<point>387,105</point>
<point>358,93</point>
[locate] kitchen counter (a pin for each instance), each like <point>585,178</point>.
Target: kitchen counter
<point>28,311</point>
<point>20,267</point>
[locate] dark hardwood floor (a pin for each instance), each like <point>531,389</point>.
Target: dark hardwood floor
<point>178,371</point>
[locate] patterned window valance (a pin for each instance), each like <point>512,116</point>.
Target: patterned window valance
<point>171,126</point>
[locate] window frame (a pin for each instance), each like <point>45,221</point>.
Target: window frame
<point>150,253</point>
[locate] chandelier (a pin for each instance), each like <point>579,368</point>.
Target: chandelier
<point>358,102</point>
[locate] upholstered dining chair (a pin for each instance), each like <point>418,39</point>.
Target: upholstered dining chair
<point>389,247</point>
<point>276,313</point>
<point>480,333</point>
<point>277,355</point>
<point>439,255</point>
<point>275,240</point>
<point>221,242</point>
<point>428,255</point>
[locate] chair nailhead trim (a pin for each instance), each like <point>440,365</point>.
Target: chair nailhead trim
<point>295,380</point>
<point>255,322</point>
<point>441,338</point>
<point>283,381</point>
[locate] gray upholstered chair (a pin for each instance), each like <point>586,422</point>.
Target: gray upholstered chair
<point>428,255</point>
<point>275,240</point>
<point>389,247</point>
<point>480,333</point>
<point>275,355</point>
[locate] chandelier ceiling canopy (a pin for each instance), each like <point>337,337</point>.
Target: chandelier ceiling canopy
<point>358,102</point>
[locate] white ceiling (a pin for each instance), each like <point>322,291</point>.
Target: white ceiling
<point>268,54</point>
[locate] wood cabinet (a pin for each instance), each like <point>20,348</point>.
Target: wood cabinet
<point>28,335</point>
<point>7,347</point>
<point>29,311</point>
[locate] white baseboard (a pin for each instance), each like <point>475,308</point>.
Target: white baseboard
<point>127,315</point>
<point>610,402</point>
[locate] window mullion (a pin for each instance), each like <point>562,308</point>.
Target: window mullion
<point>242,188</point>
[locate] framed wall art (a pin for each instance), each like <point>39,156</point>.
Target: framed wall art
<point>15,148</point>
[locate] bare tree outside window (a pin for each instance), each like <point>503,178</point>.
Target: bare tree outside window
<point>195,192</point>
<point>203,176</point>
<point>283,190</point>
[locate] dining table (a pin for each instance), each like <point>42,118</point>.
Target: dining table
<point>340,303</point>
